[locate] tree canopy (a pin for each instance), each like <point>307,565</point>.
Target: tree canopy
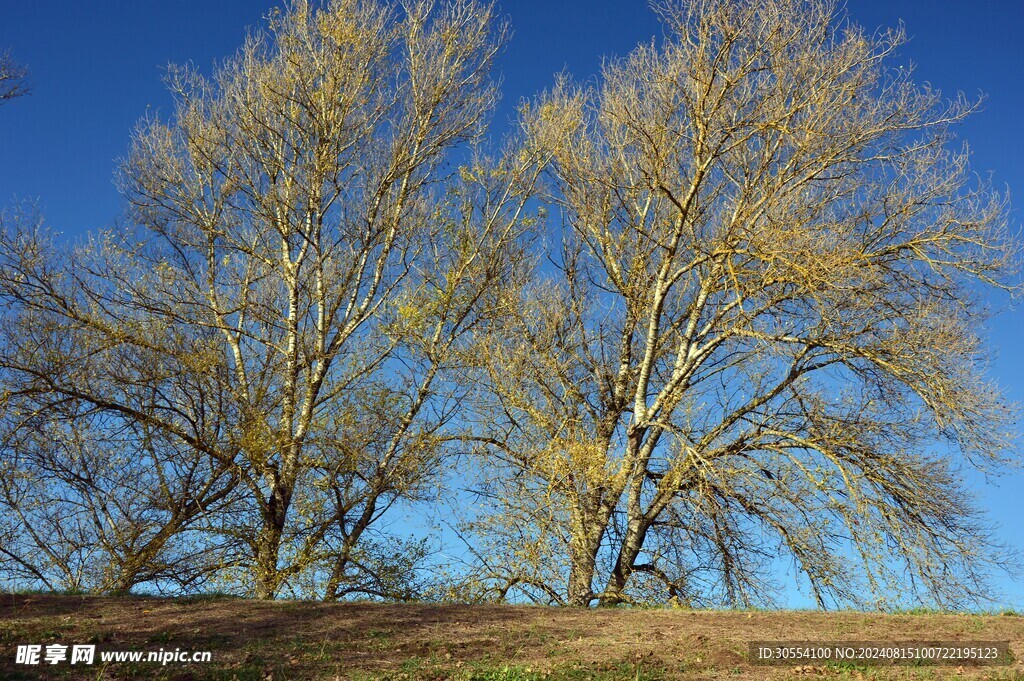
<point>720,307</point>
<point>759,334</point>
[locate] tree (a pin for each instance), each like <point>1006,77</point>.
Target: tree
<point>291,286</point>
<point>12,79</point>
<point>761,334</point>
<point>93,505</point>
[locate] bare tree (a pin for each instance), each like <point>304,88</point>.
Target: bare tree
<point>13,77</point>
<point>105,509</point>
<point>292,278</point>
<point>93,499</point>
<point>760,337</point>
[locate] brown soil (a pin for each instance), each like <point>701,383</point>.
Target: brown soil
<point>274,641</point>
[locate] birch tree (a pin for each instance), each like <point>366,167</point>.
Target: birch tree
<point>293,277</point>
<point>760,335</point>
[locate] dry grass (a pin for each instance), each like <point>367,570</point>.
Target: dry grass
<point>304,640</point>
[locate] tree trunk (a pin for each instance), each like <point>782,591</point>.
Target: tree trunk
<point>268,544</point>
<point>630,549</point>
<point>583,561</point>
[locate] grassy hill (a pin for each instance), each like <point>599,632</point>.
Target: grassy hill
<point>275,641</point>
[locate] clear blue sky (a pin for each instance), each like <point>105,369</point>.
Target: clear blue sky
<point>96,67</point>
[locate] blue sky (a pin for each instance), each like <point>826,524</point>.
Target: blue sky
<point>96,68</point>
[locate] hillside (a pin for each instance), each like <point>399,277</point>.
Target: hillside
<point>274,641</point>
